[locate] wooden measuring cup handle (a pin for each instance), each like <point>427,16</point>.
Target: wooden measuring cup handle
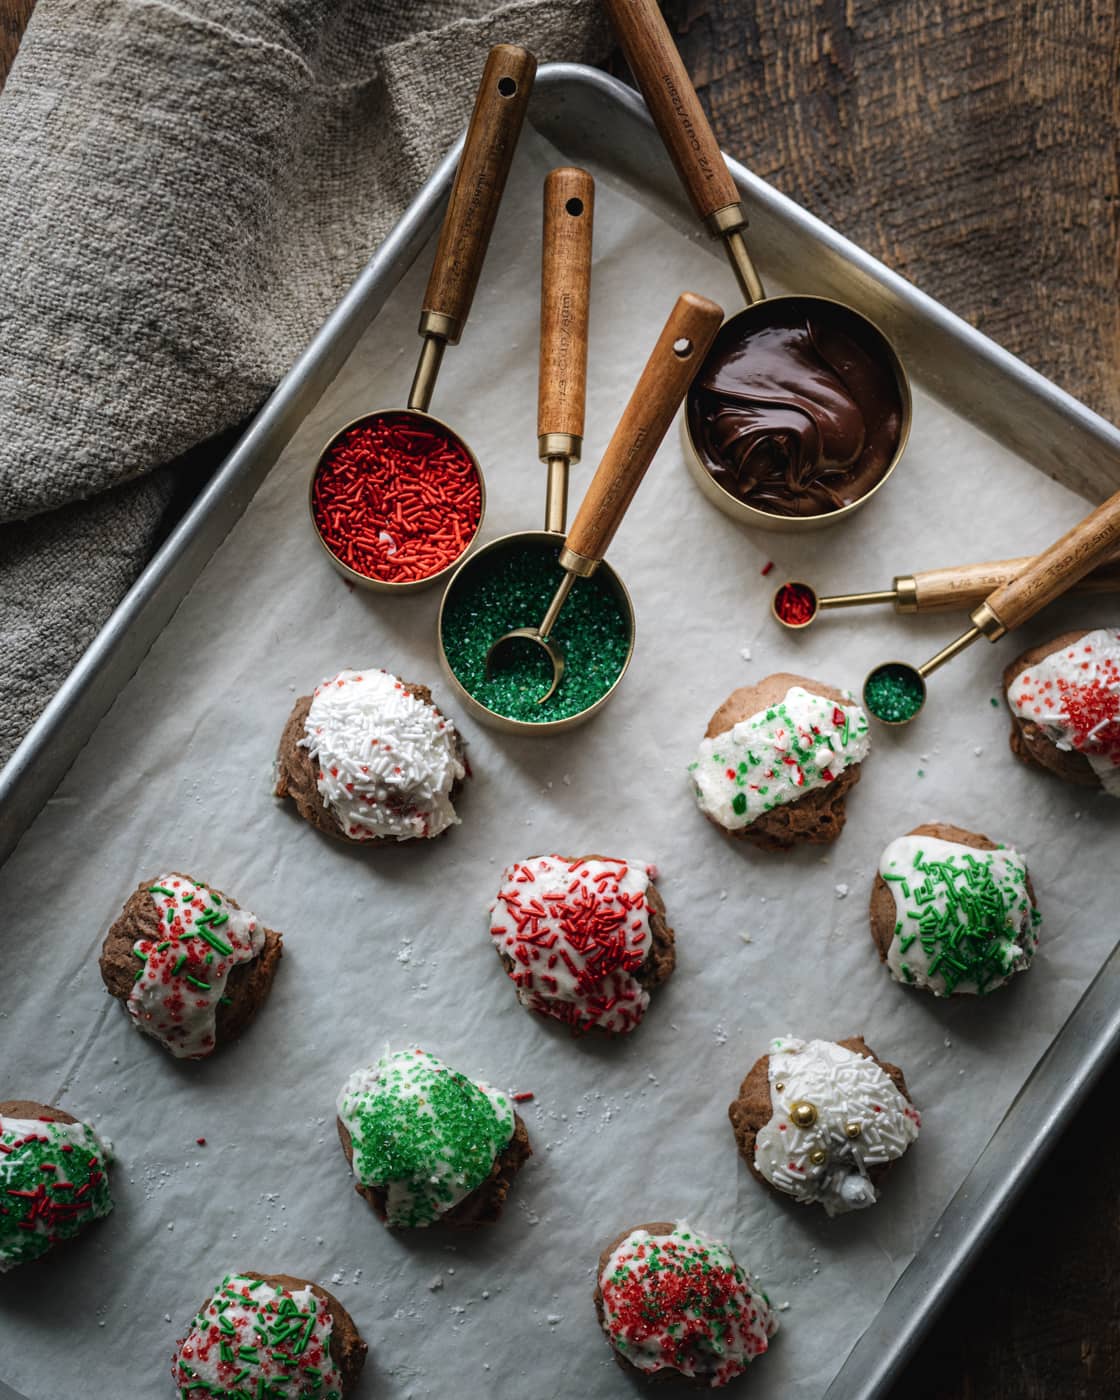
<point>1053,571</point>
<point>939,590</point>
<point>499,111</point>
<point>673,103</point>
<point>569,206</point>
<point>684,341</point>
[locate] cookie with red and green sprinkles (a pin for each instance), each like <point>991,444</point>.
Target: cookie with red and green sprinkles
<point>953,912</point>
<point>426,1144</point>
<point>191,967</point>
<point>54,1179</point>
<point>269,1337</point>
<point>778,760</point>
<point>673,1302</point>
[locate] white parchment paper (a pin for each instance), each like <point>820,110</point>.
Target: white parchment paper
<point>391,946</point>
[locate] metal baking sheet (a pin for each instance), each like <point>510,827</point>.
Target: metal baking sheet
<point>590,117</point>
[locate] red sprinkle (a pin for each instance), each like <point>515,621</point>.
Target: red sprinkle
<point>767,567</point>
<point>795,604</point>
<point>523,1097</point>
<point>396,497</point>
<point>201,1142</point>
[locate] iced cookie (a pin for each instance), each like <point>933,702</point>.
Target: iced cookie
<point>270,1335</point>
<point>673,1302</point>
<point>778,760</point>
<point>822,1121</point>
<point>189,965</point>
<point>1064,699</point>
<point>427,1144</point>
<point>583,940</point>
<point>952,912</point>
<point>53,1179</point>
<point>369,758</point>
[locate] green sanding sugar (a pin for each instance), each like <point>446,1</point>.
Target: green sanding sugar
<point>894,693</point>
<point>511,588</point>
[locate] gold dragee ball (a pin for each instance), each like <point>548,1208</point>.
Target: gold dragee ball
<point>803,1113</point>
<point>817,1156</point>
<point>853,1129</point>
<point>781,1088</point>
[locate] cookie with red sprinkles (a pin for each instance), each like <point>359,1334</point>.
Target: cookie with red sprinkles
<point>260,1336</point>
<point>190,966</point>
<point>54,1179</point>
<point>673,1302</point>
<point>584,940</point>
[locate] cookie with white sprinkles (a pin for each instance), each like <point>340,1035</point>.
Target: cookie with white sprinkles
<point>584,940</point>
<point>673,1302</point>
<point>427,1144</point>
<point>778,761</point>
<point>369,758</point>
<point>54,1179</point>
<point>191,967</point>
<point>952,912</point>
<point>822,1121</point>
<point>260,1336</point>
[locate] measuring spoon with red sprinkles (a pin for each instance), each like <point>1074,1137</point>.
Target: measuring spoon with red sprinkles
<point>397,496</point>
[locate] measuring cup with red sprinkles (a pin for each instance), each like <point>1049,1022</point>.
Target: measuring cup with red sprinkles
<point>397,496</point>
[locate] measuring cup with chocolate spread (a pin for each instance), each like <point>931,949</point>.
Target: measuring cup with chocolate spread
<point>801,409</point>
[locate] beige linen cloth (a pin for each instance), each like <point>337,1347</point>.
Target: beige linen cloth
<point>186,189</point>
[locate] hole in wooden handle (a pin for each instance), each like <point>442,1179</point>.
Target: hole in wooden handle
<point>682,348</point>
<point>507,86</point>
<point>574,207</point>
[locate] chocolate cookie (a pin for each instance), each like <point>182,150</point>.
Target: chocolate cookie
<point>1064,698</point>
<point>369,758</point>
<point>427,1144</point>
<point>778,760</point>
<point>950,920</point>
<point>53,1179</point>
<point>190,966</point>
<point>258,1332</point>
<point>673,1303</point>
<point>823,1120</point>
<point>584,939</point>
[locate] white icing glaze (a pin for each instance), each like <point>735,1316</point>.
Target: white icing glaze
<point>1073,695</point>
<point>225,1347</point>
<point>420,1131</point>
<point>970,942</point>
<point>387,761</point>
<point>712,1331</point>
<point>844,1088</point>
<point>576,932</point>
<point>183,973</point>
<point>776,756</point>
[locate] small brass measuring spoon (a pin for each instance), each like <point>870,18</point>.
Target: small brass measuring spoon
<point>682,344</point>
<point>895,691</point>
<point>496,121</point>
<point>683,126</point>
<point>932,590</point>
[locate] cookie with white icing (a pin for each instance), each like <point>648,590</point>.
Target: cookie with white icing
<point>822,1121</point>
<point>583,940</point>
<point>191,967</point>
<point>426,1144</point>
<point>952,912</point>
<point>778,761</point>
<point>1064,698</point>
<point>54,1179</point>
<point>270,1334</point>
<point>369,758</point>
<point>673,1303</point>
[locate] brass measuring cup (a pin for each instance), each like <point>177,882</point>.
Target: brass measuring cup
<point>934,590</point>
<point>496,121</point>
<point>680,120</point>
<point>894,692</point>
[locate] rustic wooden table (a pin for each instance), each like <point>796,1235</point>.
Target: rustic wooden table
<point>973,146</point>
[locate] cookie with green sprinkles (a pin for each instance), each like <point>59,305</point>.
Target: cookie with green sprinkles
<point>674,1304</point>
<point>952,912</point>
<point>778,760</point>
<point>426,1144</point>
<point>189,965</point>
<point>267,1336</point>
<point>54,1179</point>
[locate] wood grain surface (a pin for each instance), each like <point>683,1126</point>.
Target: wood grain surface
<point>972,145</point>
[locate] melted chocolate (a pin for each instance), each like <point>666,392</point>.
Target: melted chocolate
<point>798,413</point>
